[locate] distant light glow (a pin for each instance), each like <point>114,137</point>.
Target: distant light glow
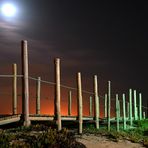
<point>8,10</point>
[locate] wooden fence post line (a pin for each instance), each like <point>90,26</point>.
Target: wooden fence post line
<point>69,103</point>
<point>140,106</point>
<point>38,95</point>
<point>124,112</point>
<point>105,106</point>
<point>14,102</point>
<point>130,102</point>
<point>80,105</point>
<point>109,97</point>
<point>57,94</point>
<point>135,105</point>
<point>96,101</point>
<point>90,106</point>
<point>25,84</point>
<point>117,112</point>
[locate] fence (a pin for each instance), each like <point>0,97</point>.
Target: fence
<point>129,113</point>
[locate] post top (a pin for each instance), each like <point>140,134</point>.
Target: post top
<point>57,60</point>
<point>24,41</point>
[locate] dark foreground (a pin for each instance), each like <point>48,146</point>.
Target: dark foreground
<point>44,136</point>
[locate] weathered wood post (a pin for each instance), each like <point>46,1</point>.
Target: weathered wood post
<point>14,102</point>
<point>140,106</point>
<point>38,95</point>
<point>69,103</point>
<point>105,106</point>
<point>124,112</point>
<point>90,106</point>
<point>130,102</point>
<point>119,109</point>
<point>96,101</point>
<point>137,112</point>
<point>109,97</point>
<point>57,94</point>
<point>25,84</point>
<point>80,104</point>
<point>128,115</point>
<point>135,106</point>
<point>117,112</point>
<point>143,115</point>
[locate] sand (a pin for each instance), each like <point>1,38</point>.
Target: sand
<point>92,141</point>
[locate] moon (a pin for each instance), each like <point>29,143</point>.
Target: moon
<point>8,10</point>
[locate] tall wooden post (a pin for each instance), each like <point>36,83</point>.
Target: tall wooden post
<point>14,107</point>
<point>57,95</point>
<point>119,109</point>
<point>130,102</point>
<point>105,106</point>
<point>117,112</point>
<point>128,115</point>
<point>69,103</point>
<point>140,106</point>
<point>96,101</point>
<point>109,97</point>
<point>135,105</point>
<point>90,106</point>
<point>25,84</point>
<point>38,95</point>
<point>80,104</point>
<point>124,112</point>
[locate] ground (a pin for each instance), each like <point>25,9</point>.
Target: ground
<point>92,141</point>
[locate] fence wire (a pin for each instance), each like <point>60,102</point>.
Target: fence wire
<point>63,86</point>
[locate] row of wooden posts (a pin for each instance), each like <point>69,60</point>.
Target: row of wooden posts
<point>127,113</point>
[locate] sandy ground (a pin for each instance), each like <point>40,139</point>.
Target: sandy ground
<point>91,141</point>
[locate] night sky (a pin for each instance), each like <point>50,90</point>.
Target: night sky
<point>109,39</point>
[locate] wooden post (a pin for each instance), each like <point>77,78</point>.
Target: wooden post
<point>137,112</point>
<point>105,106</point>
<point>96,102</point>
<point>38,95</point>
<point>143,115</point>
<point>119,109</point>
<point>90,106</point>
<point>57,94</point>
<point>109,97</point>
<point>14,107</point>
<point>25,84</point>
<point>130,102</point>
<point>117,112</point>
<point>124,112</point>
<point>80,105</point>
<point>135,105</point>
<point>69,103</point>
<point>140,106</point>
<point>128,115</point>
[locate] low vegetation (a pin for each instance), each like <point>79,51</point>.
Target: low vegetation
<point>38,136</point>
<point>139,134</point>
<point>43,136</point>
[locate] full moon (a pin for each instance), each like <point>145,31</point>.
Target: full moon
<point>8,10</point>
